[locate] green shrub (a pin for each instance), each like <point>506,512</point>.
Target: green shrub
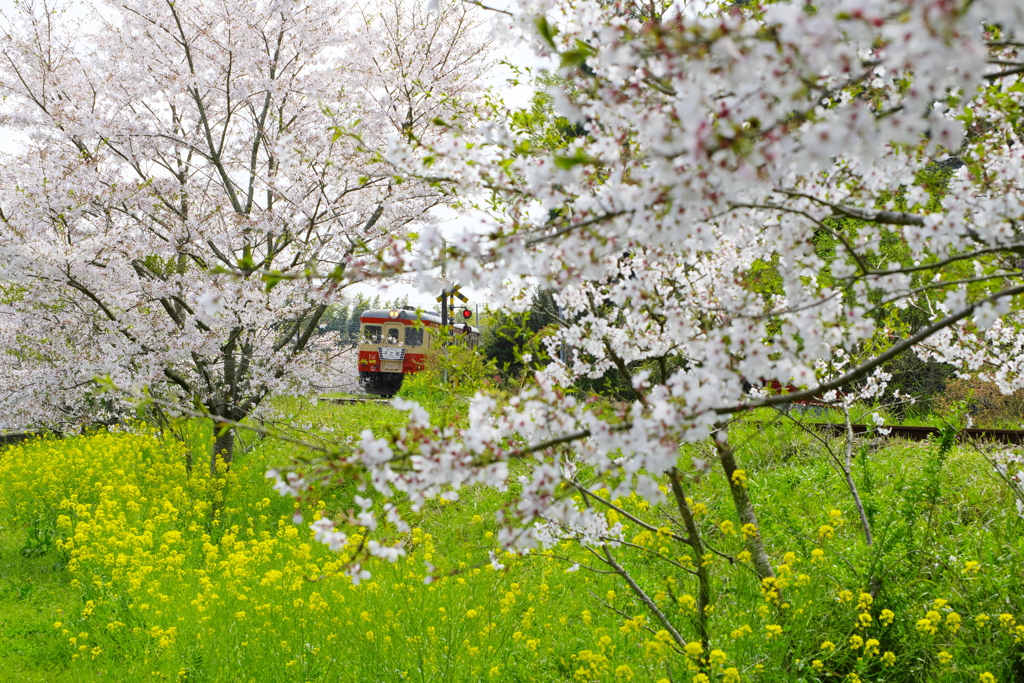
<point>987,406</point>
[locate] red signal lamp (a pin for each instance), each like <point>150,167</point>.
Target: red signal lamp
<point>466,313</point>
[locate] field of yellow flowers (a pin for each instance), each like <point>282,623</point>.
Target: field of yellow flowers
<point>117,564</point>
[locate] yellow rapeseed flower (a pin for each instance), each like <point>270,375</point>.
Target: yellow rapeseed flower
<point>953,622</point>
<point>740,632</point>
<point>693,649</point>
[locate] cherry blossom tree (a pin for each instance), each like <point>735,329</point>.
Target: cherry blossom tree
<point>722,218</point>
<point>193,171</point>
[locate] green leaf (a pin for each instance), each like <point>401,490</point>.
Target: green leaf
<point>577,56</point>
<point>567,162</point>
<point>337,273</point>
<point>547,31</point>
<point>246,262</point>
<point>272,279</point>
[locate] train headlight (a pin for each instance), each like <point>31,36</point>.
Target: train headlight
<point>395,313</point>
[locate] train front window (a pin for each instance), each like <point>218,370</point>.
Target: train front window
<point>371,334</point>
<point>394,335</point>
<point>414,336</point>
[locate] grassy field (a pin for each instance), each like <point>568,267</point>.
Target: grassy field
<point>116,564</point>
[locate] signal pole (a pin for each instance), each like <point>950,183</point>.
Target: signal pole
<point>449,292</point>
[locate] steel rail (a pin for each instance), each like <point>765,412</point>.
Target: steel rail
<point>911,433</point>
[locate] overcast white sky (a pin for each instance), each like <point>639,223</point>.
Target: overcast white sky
<point>451,222</point>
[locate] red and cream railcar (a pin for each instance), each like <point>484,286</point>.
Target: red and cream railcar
<point>395,343</point>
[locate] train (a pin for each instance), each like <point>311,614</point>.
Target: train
<point>395,343</point>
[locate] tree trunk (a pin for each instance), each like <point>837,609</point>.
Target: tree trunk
<point>697,544</point>
<point>223,448</point>
<point>744,506</point>
<point>848,475</point>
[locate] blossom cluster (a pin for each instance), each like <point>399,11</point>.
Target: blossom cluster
<point>196,184</point>
<point>682,232</point>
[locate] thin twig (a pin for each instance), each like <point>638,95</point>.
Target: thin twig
<point>644,597</point>
<point>635,520</point>
<point>575,563</point>
<point>608,539</point>
<point>623,614</point>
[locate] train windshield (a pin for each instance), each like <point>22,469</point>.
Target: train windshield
<point>394,335</point>
<point>414,336</point>
<point>371,333</point>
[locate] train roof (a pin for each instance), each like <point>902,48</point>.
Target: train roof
<point>406,314</point>
<point>403,314</point>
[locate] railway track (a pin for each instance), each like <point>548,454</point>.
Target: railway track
<point>1008,436</point>
<point>14,437</point>
<point>352,400</point>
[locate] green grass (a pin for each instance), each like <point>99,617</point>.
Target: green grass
<point>34,594</point>
<point>930,522</point>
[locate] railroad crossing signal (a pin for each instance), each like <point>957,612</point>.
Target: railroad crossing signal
<point>447,301</point>
<point>453,291</point>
